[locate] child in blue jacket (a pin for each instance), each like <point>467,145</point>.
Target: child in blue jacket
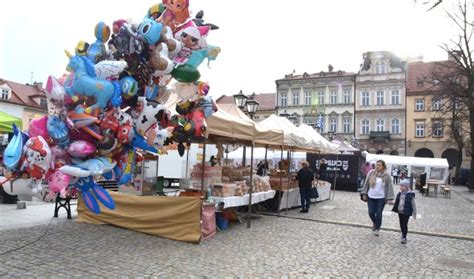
<point>405,207</point>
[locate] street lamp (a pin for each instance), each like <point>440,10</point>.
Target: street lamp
<point>331,135</point>
<point>240,99</point>
<point>252,107</point>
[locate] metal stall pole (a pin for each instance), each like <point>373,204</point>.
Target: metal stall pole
<point>265,170</point>
<point>335,178</point>
<point>187,161</point>
<point>249,214</point>
<point>288,157</point>
<point>244,163</point>
<point>279,194</point>
<point>203,167</point>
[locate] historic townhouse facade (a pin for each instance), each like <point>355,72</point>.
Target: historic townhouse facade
<point>428,131</point>
<point>323,100</point>
<point>380,104</point>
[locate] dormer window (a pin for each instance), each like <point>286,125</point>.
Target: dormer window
<point>43,103</point>
<point>5,94</point>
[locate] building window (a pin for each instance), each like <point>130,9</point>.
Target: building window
<point>380,125</point>
<point>457,103</point>
<point>333,124</point>
<point>347,96</point>
<point>5,94</point>
<point>309,120</point>
<point>395,97</point>
<point>395,126</point>
<point>420,129</point>
<point>346,124</point>
<point>43,103</point>
<point>436,104</point>
<point>333,97</point>
<point>380,68</point>
<point>284,99</point>
<point>296,98</point>
<point>380,98</point>
<point>321,97</point>
<point>437,128</point>
<point>365,126</point>
<point>419,105</point>
<point>307,98</point>
<point>365,99</point>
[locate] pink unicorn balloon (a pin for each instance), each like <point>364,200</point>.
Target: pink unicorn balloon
<point>58,183</point>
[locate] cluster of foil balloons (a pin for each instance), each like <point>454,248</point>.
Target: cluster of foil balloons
<point>111,104</point>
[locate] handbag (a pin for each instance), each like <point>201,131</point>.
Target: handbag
<point>313,194</point>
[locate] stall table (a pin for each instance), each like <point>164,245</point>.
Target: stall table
<point>291,198</point>
<point>236,201</point>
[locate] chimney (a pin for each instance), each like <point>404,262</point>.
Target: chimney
<point>330,68</point>
<point>38,84</point>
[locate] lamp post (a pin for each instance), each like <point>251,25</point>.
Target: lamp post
<point>240,99</point>
<point>252,107</point>
<point>331,135</point>
<point>243,101</point>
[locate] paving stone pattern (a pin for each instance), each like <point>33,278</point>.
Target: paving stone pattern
<point>441,215</point>
<point>274,247</point>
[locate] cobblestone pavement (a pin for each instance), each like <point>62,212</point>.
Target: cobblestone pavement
<point>273,247</point>
<point>441,215</point>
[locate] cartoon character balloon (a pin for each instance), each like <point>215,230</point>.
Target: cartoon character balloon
<point>37,158</point>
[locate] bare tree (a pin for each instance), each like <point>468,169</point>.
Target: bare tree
<point>455,78</point>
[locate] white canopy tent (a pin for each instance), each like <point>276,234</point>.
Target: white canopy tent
<point>438,166</point>
<point>317,140</point>
<point>292,137</point>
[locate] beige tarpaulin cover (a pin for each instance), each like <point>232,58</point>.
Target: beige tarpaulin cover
<point>263,135</point>
<point>319,141</point>
<point>177,218</point>
<point>221,123</point>
<point>291,137</point>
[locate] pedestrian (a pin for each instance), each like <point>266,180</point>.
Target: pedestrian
<point>395,175</point>
<point>405,207</point>
<point>305,179</point>
<point>323,170</point>
<point>377,191</point>
<point>260,168</point>
<point>213,161</point>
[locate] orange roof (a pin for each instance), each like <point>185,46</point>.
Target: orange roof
<point>267,101</point>
<point>24,94</point>
<point>420,75</point>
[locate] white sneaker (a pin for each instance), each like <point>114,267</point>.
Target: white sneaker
<point>376,232</point>
<point>404,241</point>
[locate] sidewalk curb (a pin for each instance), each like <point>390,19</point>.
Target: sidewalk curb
<point>357,225</point>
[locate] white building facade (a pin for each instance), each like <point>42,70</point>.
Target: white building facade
<point>323,100</point>
<point>380,104</point>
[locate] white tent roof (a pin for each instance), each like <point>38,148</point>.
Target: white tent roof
<point>407,161</point>
<point>317,140</point>
<point>292,137</point>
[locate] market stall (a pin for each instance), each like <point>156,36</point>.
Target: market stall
<point>283,180</point>
<point>435,168</point>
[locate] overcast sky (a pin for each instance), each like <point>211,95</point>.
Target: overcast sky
<point>261,41</point>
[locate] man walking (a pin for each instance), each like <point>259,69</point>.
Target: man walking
<point>305,179</point>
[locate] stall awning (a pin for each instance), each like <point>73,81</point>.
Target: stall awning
<point>221,124</point>
<point>7,121</point>
<point>317,140</point>
<point>291,135</point>
<point>262,135</point>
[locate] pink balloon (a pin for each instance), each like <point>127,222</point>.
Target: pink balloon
<point>38,127</point>
<point>57,183</point>
<point>81,149</point>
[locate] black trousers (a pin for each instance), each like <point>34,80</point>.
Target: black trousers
<point>305,197</point>
<point>404,224</point>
